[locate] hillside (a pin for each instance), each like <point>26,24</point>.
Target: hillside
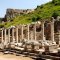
<point>45,11</point>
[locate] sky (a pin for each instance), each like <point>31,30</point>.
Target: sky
<point>19,4</point>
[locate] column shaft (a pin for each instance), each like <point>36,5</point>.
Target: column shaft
<point>28,31</point>
<point>13,35</point>
<point>5,34</point>
<point>52,30</point>
<point>32,35</point>
<point>35,31</point>
<point>2,37</point>
<point>9,35</point>
<point>43,38</point>
<point>17,34</point>
<point>22,32</point>
<point>59,37</point>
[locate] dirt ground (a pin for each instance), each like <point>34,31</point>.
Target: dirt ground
<point>13,57</point>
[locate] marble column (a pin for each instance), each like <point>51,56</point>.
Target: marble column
<point>59,37</point>
<point>2,36</point>
<point>17,34</point>
<point>9,35</point>
<point>42,26</point>
<point>31,35</point>
<point>13,35</point>
<point>52,30</point>
<point>28,31</point>
<point>22,32</point>
<point>5,34</point>
<point>35,31</point>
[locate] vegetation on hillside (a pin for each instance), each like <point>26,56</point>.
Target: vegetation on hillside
<point>45,11</point>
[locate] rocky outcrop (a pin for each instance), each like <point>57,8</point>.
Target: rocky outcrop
<point>10,13</point>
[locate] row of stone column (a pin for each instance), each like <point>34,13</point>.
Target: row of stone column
<point>52,30</point>
<point>13,39</point>
<point>43,36</point>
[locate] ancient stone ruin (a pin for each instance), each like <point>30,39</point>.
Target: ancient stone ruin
<point>41,36</point>
<point>40,30</point>
<point>10,13</point>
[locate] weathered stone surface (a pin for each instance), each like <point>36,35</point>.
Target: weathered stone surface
<point>10,13</point>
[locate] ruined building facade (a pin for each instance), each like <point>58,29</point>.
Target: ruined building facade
<point>10,13</point>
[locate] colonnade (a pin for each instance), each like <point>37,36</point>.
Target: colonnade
<point>28,34</point>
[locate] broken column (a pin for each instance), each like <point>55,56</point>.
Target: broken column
<point>17,34</point>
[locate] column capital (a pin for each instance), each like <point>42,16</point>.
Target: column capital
<point>2,29</point>
<point>28,24</point>
<point>13,27</point>
<point>42,22</point>
<point>52,19</point>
